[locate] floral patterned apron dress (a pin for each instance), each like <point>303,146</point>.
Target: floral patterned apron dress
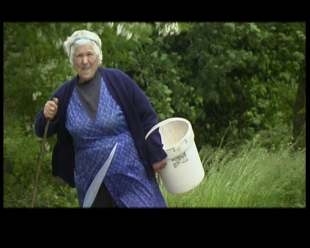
<point>105,151</point>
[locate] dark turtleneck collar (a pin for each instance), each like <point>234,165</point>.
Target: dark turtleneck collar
<point>96,76</point>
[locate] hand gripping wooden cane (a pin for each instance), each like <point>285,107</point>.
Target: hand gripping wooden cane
<point>39,162</point>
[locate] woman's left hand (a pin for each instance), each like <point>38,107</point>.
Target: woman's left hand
<point>157,167</point>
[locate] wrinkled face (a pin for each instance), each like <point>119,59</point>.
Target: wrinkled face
<point>85,62</point>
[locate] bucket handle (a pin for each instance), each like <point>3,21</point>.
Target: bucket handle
<point>162,123</point>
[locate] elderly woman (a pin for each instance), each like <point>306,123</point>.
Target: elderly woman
<point>101,118</point>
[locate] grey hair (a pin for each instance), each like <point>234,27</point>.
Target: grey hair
<point>82,37</point>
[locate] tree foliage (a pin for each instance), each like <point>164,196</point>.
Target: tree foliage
<point>247,74</point>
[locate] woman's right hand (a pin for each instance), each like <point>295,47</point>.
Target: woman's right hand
<point>157,167</point>
<point>50,109</point>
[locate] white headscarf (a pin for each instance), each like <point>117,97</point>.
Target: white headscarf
<point>82,35</point>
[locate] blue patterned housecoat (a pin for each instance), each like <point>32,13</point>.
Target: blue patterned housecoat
<point>104,150</point>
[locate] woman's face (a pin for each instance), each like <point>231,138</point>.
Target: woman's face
<point>85,62</point>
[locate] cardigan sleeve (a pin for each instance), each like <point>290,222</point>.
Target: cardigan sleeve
<point>148,118</point>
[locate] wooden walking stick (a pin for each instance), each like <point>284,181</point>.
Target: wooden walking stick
<point>39,162</point>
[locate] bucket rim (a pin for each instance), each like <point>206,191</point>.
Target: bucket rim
<point>172,119</point>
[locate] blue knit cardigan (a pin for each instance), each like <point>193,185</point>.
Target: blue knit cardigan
<point>138,111</point>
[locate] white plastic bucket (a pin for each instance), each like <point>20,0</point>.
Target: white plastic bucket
<point>184,170</point>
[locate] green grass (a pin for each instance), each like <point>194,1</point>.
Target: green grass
<point>250,178</point>
<point>247,177</point>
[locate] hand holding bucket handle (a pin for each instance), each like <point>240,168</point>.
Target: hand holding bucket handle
<point>157,167</point>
